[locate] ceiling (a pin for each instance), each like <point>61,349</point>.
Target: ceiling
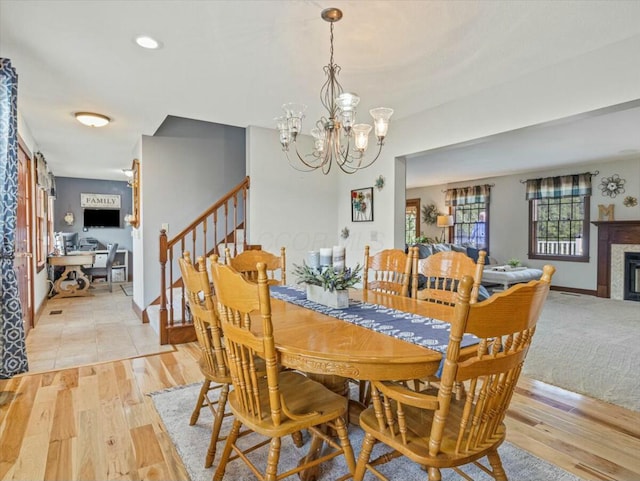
<point>235,63</point>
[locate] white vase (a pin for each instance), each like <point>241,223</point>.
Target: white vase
<point>338,299</point>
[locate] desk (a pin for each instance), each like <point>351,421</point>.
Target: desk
<point>77,285</point>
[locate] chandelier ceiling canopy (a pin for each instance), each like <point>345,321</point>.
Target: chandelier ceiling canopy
<point>337,136</point>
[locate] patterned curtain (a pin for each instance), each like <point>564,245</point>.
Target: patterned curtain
<point>467,195</point>
<point>561,186</point>
<point>13,354</point>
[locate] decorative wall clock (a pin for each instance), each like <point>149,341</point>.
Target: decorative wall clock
<point>612,186</point>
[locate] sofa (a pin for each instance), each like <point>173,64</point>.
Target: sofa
<point>425,250</point>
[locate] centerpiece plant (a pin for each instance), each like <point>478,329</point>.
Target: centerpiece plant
<point>327,277</point>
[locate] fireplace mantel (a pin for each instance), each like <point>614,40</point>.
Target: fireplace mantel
<point>612,232</point>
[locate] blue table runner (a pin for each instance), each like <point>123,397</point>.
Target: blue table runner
<point>422,331</point>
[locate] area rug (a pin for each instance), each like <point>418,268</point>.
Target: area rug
<point>191,442</point>
<point>588,345</point>
<point>127,288</point>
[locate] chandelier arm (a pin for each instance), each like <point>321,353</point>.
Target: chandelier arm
<point>310,166</point>
<point>349,169</point>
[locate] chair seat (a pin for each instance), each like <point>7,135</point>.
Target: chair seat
<point>419,423</point>
<point>303,396</point>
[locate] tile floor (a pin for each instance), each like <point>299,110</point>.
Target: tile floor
<point>102,327</point>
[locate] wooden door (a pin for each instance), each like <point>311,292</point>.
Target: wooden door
<point>24,253</point>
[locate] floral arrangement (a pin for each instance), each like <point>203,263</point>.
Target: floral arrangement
<point>327,277</point>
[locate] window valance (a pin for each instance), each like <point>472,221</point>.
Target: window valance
<point>560,186</point>
<point>467,195</point>
<point>44,178</point>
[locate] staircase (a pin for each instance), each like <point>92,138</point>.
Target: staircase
<point>221,225</point>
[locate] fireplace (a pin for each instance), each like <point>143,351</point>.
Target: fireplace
<point>612,234</point>
<point>632,276</point>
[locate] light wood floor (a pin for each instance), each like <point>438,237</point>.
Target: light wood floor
<point>95,422</point>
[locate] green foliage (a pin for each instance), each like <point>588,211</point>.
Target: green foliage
<point>513,262</point>
<point>423,239</point>
<point>328,278</point>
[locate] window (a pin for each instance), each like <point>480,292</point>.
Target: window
<point>471,225</point>
<point>412,221</point>
<point>559,217</point>
<point>469,207</point>
<point>559,228</point>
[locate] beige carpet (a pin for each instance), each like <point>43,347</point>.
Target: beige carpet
<point>191,442</point>
<point>588,345</point>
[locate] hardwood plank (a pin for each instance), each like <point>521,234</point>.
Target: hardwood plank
<point>117,433</point>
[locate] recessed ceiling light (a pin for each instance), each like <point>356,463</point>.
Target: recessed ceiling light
<point>147,42</point>
<point>91,119</point>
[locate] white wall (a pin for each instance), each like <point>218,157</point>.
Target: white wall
<point>594,80</point>
<point>180,179</point>
<point>289,208</point>
<point>509,215</point>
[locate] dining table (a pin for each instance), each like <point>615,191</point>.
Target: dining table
<point>334,346</point>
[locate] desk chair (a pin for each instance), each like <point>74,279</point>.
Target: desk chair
<point>434,430</point>
<point>246,262</point>
<point>387,271</point>
<point>103,272</point>
<point>283,402</point>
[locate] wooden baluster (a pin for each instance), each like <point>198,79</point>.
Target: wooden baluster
<point>244,215</point>
<point>164,335</point>
<point>171,316</point>
<point>235,222</point>
<point>215,234</point>
<point>226,223</point>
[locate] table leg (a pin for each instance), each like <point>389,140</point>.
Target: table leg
<point>80,286</point>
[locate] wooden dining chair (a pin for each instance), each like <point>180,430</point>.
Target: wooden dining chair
<point>443,271</point>
<point>434,430</point>
<point>282,402</point>
<point>387,271</point>
<point>213,358</point>
<point>246,262</point>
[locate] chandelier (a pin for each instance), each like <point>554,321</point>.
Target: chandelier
<point>336,136</point>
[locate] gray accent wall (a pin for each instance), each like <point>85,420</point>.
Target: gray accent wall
<point>185,168</point>
<point>68,191</point>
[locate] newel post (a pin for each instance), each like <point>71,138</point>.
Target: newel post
<point>164,332</point>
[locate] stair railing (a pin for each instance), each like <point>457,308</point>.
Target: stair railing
<point>211,232</point>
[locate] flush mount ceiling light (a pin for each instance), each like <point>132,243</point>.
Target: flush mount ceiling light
<point>147,42</point>
<point>91,119</point>
<point>337,136</point>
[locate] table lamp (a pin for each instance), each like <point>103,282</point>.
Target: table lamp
<point>444,221</point>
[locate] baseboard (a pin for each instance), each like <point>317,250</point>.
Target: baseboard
<point>139,312</point>
<point>39,311</point>
<point>585,292</point>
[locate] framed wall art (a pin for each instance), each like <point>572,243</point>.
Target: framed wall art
<point>362,205</point>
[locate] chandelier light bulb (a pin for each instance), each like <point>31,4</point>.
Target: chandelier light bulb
<point>361,136</point>
<point>381,117</point>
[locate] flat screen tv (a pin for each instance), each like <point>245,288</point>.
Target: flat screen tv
<point>102,218</point>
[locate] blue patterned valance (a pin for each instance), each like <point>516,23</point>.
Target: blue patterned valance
<point>476,194</point>
<point>560,186</point>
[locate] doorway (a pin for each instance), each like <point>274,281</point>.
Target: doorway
<point>23,263</point>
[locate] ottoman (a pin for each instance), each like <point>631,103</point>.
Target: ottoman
<point>507,276</point>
